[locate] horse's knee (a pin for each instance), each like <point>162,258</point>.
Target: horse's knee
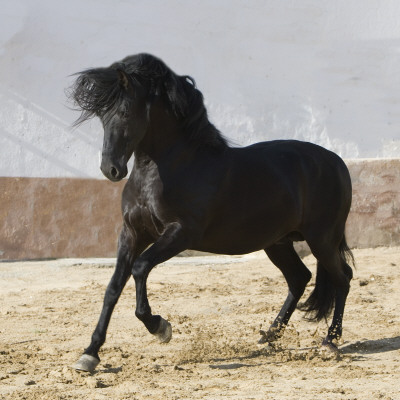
<point>112,293</point>
<point>140,269</point>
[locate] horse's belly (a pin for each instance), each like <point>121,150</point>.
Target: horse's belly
<point>242,237</point>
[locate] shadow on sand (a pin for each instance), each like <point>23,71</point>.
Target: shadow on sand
<point>372,346</point>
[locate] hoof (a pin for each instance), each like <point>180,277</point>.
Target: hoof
<point>264,337</point>
<point>86,363</point>
<point>329,346</point>
<point>164,332</point>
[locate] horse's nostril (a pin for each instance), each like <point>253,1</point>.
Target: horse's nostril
<point>114,172</point>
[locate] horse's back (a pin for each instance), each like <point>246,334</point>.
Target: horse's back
<point>297,163</point>
<point>319,174</point>
<point>292,162</point>
<point>284,153</point>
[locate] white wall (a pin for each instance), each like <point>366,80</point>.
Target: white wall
<point>319,70</point>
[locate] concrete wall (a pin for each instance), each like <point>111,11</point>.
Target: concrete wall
<point>63,217</point>
<point>375,214</point>
<point>58,217</point>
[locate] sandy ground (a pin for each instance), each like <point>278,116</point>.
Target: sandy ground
<point>217,306</point>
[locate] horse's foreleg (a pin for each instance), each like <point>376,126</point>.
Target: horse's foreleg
<point>297,276</point>
<point>127,250</point>
<point>171,243</point>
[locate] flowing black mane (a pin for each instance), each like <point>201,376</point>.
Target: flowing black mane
<point>98,92</point>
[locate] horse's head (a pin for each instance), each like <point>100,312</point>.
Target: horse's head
<point>124,127</point>
<point>138,95</point>
<point>120,103</point>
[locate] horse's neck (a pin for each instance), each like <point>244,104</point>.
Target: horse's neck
<point>164,142</point>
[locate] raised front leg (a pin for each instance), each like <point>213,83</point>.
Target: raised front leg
<point>172,242</point>
<point>128,249</point>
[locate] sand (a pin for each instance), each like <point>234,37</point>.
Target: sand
<point>217,305</point>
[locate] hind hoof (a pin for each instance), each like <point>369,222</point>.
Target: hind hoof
<point>329,346</point>
<point>86,363</point>
<point>164,332</point>
<point>268,337</point>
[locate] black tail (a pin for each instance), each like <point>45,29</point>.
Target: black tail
<point>322,299</point>
<point>346,255</point>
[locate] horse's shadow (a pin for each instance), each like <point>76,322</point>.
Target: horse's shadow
<point>372,346</point>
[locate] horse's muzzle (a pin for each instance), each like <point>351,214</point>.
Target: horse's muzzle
<point>113,171</point>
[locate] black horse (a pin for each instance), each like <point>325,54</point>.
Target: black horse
<point>189,189</point>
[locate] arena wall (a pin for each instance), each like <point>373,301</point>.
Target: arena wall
<point>375,214</point>
<point>64,217</point>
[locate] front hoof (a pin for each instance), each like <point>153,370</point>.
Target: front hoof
<point>86,363</point>
<point>164,331</point>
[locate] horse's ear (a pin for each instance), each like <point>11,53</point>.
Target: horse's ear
<point>123,79</point>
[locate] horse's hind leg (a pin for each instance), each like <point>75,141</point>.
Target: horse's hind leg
<point>297,276</point>
<point>332,287</point>
<point>335,329</point>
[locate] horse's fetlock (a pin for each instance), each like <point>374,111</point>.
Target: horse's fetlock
<point>96,343</point>
<point>143,313</point>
